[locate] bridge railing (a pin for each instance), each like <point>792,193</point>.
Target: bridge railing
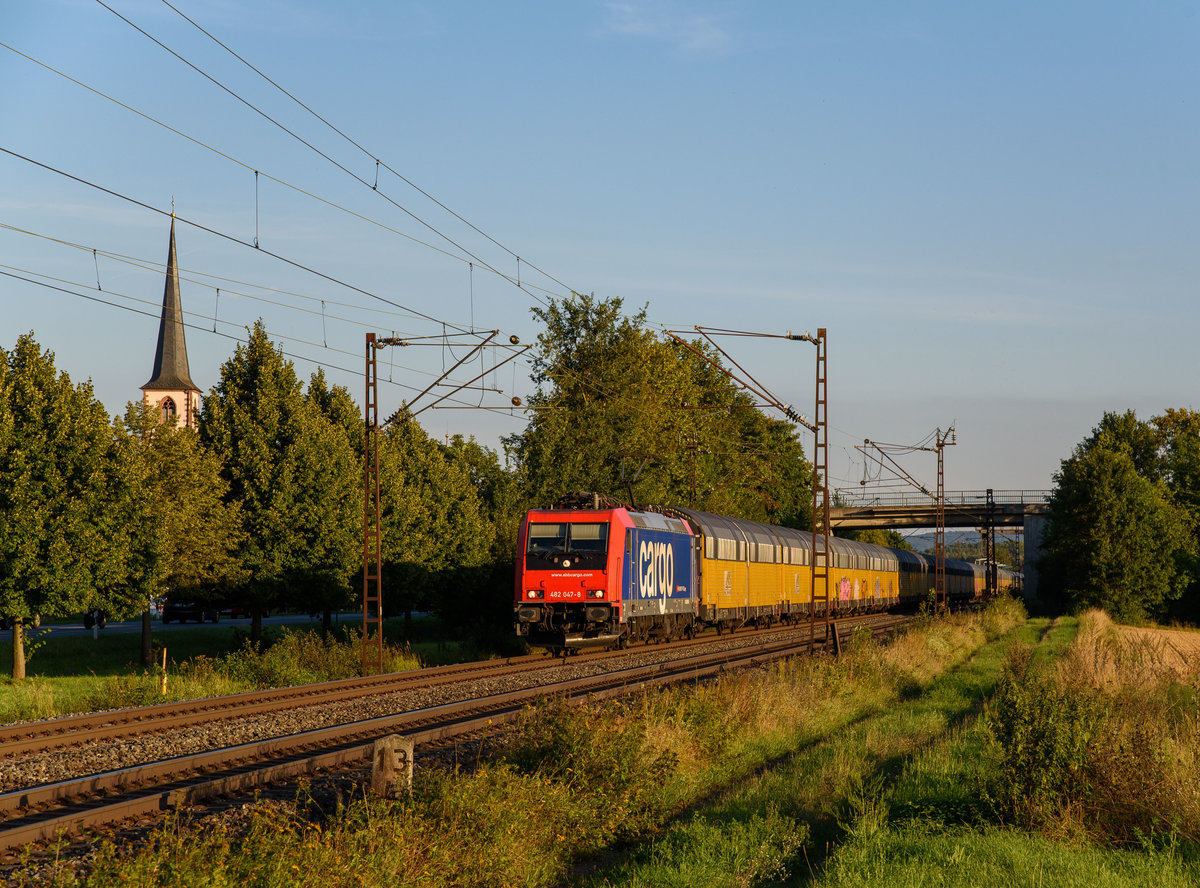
<point>855,499</point>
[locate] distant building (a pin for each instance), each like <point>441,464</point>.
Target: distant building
<point>170,388</point>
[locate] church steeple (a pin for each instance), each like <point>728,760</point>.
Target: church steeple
<point>171,381</point>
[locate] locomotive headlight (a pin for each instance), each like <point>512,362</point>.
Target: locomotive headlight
<point>595,593</point>
<point>533,593</point>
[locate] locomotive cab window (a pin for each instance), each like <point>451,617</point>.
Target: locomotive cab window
<point>551,537</point>
<point>587,538</point>
<point>547,538</point>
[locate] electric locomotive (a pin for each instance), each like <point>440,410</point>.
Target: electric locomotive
<point>597,574</point>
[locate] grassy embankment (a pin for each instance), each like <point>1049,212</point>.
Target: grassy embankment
<point>579,784</point>
<point>875,769</point>
<point>71,674</point>
<point>1085,771</point>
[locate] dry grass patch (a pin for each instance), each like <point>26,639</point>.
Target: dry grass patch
<point>1107,742</point>
<point>1113,655</point>
<point>1171,650</point>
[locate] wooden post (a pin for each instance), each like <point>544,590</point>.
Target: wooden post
<point>18,648</point>
<point>163,687</point>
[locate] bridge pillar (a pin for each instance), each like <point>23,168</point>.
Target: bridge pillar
<point>1035,525</point>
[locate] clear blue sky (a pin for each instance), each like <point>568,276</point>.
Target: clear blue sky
<point>992,207</point>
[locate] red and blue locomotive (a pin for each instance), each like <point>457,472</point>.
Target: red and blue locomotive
<point>604,576</point>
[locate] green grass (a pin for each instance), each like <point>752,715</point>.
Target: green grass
<point>869,770</point>
<point>931,824</point>
<point>898,799</point>
<point>914,855</point>
<point>824,793</point>
<point>734,781</point>
<point>58,655</point>
<point>71,673</point>
<point>76,673</point>
<point>934,825</point>
<point>68,656</point>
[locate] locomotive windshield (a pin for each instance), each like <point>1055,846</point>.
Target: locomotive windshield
<point>567,538</point>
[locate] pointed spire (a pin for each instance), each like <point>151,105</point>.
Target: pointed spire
<point>170,360</point>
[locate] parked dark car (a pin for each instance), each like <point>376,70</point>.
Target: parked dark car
<point>97,618</point>
<point>190,610</point>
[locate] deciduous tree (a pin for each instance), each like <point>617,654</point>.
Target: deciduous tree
<point>1179,446</point>
<point>433,523</point>
<point>1115,538</point>
<point>293,473</point>
<point>191,534</point>
<point>69,498</point>
<point>615,401</point>
<point>480,600</point>
<point>883,537</point>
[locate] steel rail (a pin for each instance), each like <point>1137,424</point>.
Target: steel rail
<point>159,786</point>
<point>41,736</point>
<point>50,734</point>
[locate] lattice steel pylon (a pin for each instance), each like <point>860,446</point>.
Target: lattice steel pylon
<point>942,440</point>
<point>372,598</point>
<point>939,547</point>
<point>989,545</point>
<point>819,427</point>
<point>820,490</point>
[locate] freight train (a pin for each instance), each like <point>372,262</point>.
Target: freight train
<point>593,573</point>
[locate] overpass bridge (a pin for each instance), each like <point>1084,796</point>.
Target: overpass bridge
<point>987,510</point>
<point>852,510</point>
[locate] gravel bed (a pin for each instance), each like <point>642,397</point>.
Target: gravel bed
<point>33,769</point>
<point>322,793</point>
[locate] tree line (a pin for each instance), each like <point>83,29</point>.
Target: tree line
<point>1123,528</point>
<point>262,504</point>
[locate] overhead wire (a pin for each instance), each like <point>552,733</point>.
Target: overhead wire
<point>187,275</point>
<point>308,144</point>
<point>587,382</point>
<point>202,278</point>
<point>256,244</point>
<point>275,335</point>
<point>521,284</point>
<point>232,238</point>
<point>369,154</point>
<point>332,279</point>
<point>155,312</point>
<point>151,314</point>
<point>277,180</point>
<point>757,388</point>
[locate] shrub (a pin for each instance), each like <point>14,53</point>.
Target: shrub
<point>1144,768</point>
<point>1107,744</point>
<point>595,749</point>
<point>1001,615</point>
<point>291,658</point>
<point>1040,736</point>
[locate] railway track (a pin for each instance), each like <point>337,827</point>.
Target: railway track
<point>41,812</point>
<point>81,730</point>
<point>43,736</point>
